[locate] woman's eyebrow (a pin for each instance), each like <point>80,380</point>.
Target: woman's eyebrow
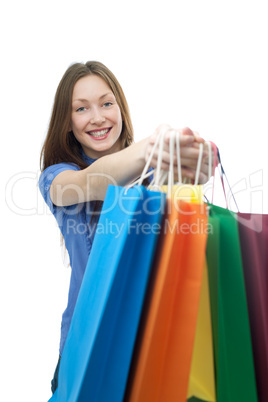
<point>80,100</point>
<point>86,100</point>
<point>108,93</point>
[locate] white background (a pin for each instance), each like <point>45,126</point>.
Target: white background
<point>197,63</point>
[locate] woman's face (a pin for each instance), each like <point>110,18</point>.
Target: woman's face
<point>96,118</point>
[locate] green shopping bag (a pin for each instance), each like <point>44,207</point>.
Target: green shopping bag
<point>235,375</point>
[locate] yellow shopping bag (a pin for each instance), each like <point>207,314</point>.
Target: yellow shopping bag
<point>202,377</point>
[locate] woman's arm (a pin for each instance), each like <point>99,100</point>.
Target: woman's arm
<point>120,168</point>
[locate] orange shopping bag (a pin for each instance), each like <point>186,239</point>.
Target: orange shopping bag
<point>162,364</point>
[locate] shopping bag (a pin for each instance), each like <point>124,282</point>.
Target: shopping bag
<point>161,369</point>
<point>235,375</point>
<point>253,235</point>
<point>97,354</point>
<point>202,376</point>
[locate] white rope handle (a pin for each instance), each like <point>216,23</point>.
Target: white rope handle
<point>145,172</point>
<point>160,157</point>
<point>178,157</point>
<point>160,176</point>
<point>171,163</point>
<point>199,162</point>
<point>147,165</point>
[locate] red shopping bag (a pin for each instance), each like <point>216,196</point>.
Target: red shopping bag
<point>253,233</point>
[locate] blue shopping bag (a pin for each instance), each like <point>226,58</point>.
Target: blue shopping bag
<point>98,350</point>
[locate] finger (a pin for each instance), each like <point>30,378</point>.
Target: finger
<point>202,179</point>
<point>187,131</point>
<point>204,168</point>
<point>164,165</point>
<point>196,145</point>
<point>198,139</point>
<point>187,173</point>
<point>165,159</point>
<point>191,174</point>
<point>160,129</point>
<point>189,163</point>
<point>190,153</point>
<point>185,139</point>
<point>195,134</point>
<point>204,172</point>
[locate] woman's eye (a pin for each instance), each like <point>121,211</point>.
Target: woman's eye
<point>81,109</point>
<point>107,104</point>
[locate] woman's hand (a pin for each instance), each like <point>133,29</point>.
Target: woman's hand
<point>189,152</point>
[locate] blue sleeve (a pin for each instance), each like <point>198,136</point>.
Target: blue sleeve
<point>48,175</point>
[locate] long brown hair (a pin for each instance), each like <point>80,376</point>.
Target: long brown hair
<point>60,144</point>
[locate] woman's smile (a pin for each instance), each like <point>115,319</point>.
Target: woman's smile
<point>100,134</point>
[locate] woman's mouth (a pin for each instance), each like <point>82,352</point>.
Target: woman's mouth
<point>99,134</point>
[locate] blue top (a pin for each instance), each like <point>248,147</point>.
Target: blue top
<point>78,226</point>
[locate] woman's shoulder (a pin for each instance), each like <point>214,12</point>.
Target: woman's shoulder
<point>54,170</point>
<point>60,166</point>
<point>49,174</point>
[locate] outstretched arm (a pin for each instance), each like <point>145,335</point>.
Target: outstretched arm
<point>121,168</point>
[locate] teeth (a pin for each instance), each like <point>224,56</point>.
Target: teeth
<point>99,133</point>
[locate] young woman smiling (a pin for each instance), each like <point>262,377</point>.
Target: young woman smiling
<point>90,145</point>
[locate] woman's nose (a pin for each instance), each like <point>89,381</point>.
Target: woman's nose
<point>97,117</point>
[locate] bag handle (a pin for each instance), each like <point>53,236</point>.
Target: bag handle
<point>218,164</point>
<point>160,177</point>
<point>145,172</point>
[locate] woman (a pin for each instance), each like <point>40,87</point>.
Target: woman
<point>89,145</point>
